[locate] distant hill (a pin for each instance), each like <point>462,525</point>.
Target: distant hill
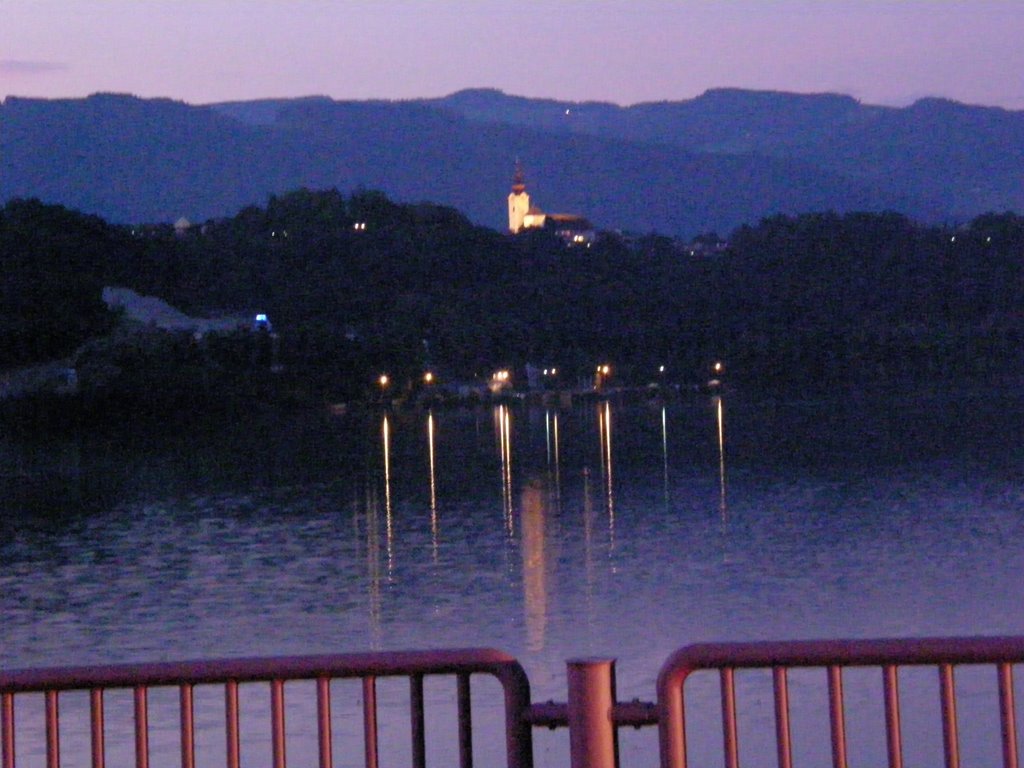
<point>943,158</point>
<point>709,163</point>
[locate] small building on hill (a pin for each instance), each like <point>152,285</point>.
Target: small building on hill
<point>575,230</point>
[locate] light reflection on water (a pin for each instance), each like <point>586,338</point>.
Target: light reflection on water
<point>604,429</point>
<point>531,530</point>
<point>433,487</point>
<point>720,422</point>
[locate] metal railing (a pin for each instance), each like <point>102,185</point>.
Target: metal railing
<point>833,656</point>
<point>592,713</point>
<point>185,676</point>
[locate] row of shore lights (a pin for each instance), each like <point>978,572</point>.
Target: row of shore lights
<point>384,380</point>
<point>428,378</point>
<point>503,375</point>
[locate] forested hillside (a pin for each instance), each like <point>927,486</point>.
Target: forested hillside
<point>817,300</point>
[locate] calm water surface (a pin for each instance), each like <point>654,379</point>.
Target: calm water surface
<point>605,529</point>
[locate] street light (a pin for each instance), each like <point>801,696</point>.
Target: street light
<point>500,381</point>
<point>383,381</point>
<point>428,378</point>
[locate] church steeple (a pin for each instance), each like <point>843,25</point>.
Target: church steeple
<point>518,182</point>
<point>518,200</point>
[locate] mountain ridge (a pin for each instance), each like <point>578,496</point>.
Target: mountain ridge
<point>726,157</point>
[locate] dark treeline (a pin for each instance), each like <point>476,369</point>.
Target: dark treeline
<point>873,297</point>
<point>816,300</point>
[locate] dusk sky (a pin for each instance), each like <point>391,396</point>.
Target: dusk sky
<point>216,50</point>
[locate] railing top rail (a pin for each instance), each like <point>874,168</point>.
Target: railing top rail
<point>213,671</point>
<point>823,653</point>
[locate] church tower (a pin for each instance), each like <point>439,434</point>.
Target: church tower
<point>518,201</point>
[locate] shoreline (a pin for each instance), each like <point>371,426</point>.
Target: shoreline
<point>44,414</point>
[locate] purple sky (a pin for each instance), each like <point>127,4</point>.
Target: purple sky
<point>215,50</point>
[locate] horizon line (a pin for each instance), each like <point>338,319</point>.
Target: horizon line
<point>899,104</point>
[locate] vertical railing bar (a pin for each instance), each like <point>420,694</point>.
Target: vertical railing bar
<point>950,738</point>
<point>681,700</point>
<point>836,716</point>
<point>52,730</point>
<point>99,751</point>
<point>231,727</point>
<point>188,732</point>
<point>465,721</point>
<point>783,739</point>
<point>7,728</point>
<point>141,727</point>
<point>1007,715</point>
<point>672,724</point>
<point>277,722</point>
<point>323,722</point>
<point>370,720</point>
<point>518,730</point>
<point>419,736</point>
<point>729,730</point>
<point>893,728</point>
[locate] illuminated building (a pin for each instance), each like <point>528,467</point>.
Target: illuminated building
<point>518,203</point>
<point>573,229</point>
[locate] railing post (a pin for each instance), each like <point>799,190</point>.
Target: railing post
<point>593,739</point>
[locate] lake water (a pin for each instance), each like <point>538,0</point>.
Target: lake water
<point>607,529</point>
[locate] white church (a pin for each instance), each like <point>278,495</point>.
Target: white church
<point>575,230</point>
